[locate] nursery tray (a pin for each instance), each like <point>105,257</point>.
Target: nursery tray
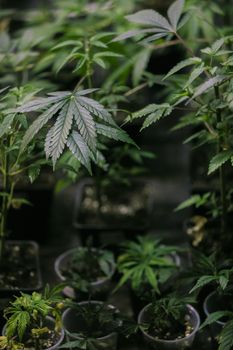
<point>26,266</point>
<point>115,226</point>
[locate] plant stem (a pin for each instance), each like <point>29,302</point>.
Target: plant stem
<point>222,180</point>
<point>4,209</point>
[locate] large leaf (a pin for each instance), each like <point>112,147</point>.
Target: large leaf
<point>71,111</point>
<point>217,161</point>
<point>174,12</point>
<point>150,18</point>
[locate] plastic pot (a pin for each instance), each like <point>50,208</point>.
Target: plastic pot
<point>33,260</point>
<point>99,289</point>
<point>177,344</point>
<point>131,229</point>
<point>71,323</point>
<point>50,322</point>
<point>212,304</point>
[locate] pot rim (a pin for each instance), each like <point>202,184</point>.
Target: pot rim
<point>83,303</point>
<point>162,341</point>
<point>62,256</point>
<point>205,307</point>
<point>58,343</point>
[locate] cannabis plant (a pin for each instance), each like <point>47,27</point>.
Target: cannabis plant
<point>26,325</point>
<point>94,320</point>
<point>209,271</point>
<point>166,318</point>
<point>15,164</point>
<point>87,265</point>
<point>146,262</point>
<point>204,93</point>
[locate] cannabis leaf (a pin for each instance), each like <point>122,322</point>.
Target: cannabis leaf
<point>207,85</point>
<point>183,64</point>
<point>219,160</point>
<point>174,12</point>
<point>75,124</point>
<point>151,18</point>
<point>153,113</point>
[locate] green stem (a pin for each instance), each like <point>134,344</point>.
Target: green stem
<point>222,177</point>
<point>4,209</point>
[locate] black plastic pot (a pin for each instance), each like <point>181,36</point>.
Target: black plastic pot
<point>87,229</point>
<point>35,269</point>
<point>71,324</point>
<point>49,322</point>
<point>98,289</point>
<point>176,344</point>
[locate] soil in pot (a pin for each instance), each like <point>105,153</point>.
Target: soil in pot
<point>19,269</point>
<point>93,320</point>
<point>116,207</point>
<point>176,334</point>
<point>83,271</point>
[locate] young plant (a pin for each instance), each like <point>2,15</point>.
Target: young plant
<point>88,265</point>
<point>94,320</point>
<point>27,323</point>
<point>146,262</point>
<point>208,271</point>
<point>167,318</point>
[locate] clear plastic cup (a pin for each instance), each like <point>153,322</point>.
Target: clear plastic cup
<point>177,344</point>
<point>71,323</point>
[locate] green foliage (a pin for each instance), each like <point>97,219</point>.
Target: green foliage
<point>225,337</point>
<point>88,265</point>
<point>71,109</point>
<point>146,262</point>
<point>26,317</point>
<point>96,320</point>
<point>166,314</point>
<point>208,271</point>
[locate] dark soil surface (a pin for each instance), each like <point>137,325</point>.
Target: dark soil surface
<point>19,269</point>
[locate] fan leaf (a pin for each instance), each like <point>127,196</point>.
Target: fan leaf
<point>174,12</point>
<point>150,18</point>
<point>79,148</point>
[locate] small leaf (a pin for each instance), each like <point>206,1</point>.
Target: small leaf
<point>219,160</point>
<point>214,317</point>
<point>203,88</point>
<point>114,133</point>
<point>6,124</point>
<point>174,12</point>
<point>79,149</point>
<point>203,281</point>
<point>188,62</point>
<point>141,65</point>
<point>194,75</point>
